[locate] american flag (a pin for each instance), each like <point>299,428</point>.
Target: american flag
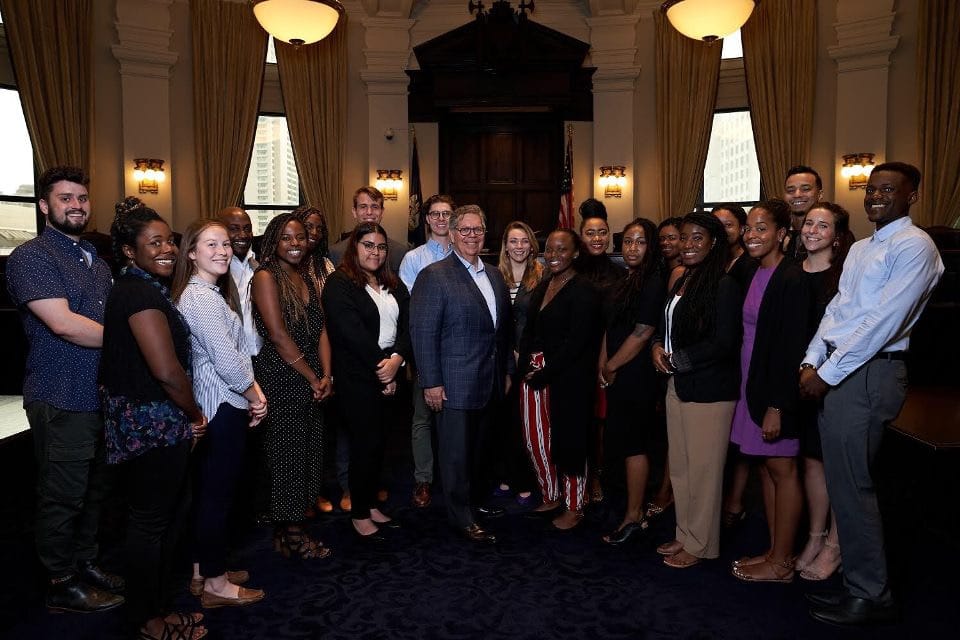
<point>565,219</point>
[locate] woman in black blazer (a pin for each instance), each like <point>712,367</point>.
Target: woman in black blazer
<point>558,367</point>
<point>777,308</point>
<point>367,309</point>
<point>697,344</point>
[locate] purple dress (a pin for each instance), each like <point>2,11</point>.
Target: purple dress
<point>745,432</point>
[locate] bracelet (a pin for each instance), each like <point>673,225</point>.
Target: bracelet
<point>807,365</point>
<point>293,362</point>
<point>777,409</point>
<point>326,376</point>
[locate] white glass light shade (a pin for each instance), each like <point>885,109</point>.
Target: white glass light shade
<point>708,19</point>
<point>298,22</point>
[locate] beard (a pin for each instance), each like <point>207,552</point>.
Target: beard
<point>65,226</point>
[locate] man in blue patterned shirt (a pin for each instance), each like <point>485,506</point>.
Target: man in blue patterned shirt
<point>60,287</point>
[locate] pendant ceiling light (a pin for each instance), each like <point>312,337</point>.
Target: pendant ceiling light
<point>298,22</point>
<point>708,20</point>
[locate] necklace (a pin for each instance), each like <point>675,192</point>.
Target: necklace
<point>559,283</point>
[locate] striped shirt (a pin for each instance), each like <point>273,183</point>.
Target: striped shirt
<point>221,371</point>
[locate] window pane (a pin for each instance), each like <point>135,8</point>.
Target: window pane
<point>732,46</point>
<point>18,223</point>
<point>271,51</point>
<point>272,178</point>
<point>732,173</point>
<point>16,161</point>
<point>262,217</point>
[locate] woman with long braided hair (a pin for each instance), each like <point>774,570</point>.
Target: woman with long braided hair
<point>293,368</point>
<point>697,345</point>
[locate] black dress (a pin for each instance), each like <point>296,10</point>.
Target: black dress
<point>809,431</point>
<point>293,438</point>
<point>632,398</point>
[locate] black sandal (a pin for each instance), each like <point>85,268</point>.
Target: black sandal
<point>294,541</point>
<point>186,629</point>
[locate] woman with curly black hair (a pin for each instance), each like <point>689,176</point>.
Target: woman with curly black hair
<point>293,367</point>
<point>697,345</point>
<point>150,416</point>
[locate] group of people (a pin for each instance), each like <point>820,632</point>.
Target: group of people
<point>771,329</point>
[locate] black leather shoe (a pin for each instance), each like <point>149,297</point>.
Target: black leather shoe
<point>72,595</point>
<point>370,538</point>
<point>856,612</point>
<point>490,512</point>
<point>474,533</point>
<point>393,523</point>
<point>630,531</point>
<point>94,575</point>
<point>825,598</point>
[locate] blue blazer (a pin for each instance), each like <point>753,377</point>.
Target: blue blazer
<point>455,343</point>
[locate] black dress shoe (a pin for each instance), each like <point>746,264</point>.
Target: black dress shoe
<point>630,531</point>
<point>490,512</point>
<point>72,595</point>
<point>825,598</point>
<point>474,533</point>
<point>389,524</point>
<point>853,611</point>
<point>94,575</point>
<point>370,538</point>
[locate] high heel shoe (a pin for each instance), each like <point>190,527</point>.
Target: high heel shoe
<point>629,531</point>
<point>294,541</point>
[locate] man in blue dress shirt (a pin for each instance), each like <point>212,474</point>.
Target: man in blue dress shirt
<point>60,287</point>
<point>855,362</point>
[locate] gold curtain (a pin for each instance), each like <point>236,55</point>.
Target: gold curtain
<point>687,74</point>
<point>780,61</point>
<point>49,45</point>
<point>229,52</point>
<point>938,68</point>
<point>313,79</point>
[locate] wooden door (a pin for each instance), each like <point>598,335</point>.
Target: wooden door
<point>509,164</point>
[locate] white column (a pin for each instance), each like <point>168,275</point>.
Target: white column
<point>862,54</point>
<point>143,51</point>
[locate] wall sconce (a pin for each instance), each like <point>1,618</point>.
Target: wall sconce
<point>613,178</point>
<point>389,182</point>
<point>149,173</point>
<point>856,168</point>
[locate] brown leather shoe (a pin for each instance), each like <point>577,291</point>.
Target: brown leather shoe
<point>421,496</point>
<point>246,596</point>
<point>236,577</point>
<point>475,533</point>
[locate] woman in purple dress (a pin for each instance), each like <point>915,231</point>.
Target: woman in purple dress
<point>768,416</point>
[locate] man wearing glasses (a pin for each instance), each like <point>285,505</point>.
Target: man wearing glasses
<point>460,328</point>
<point>368,207</point>
<point>438,246</point>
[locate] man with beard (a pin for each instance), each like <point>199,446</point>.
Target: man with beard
<point>243,264</point>
<point>802,188</point>
<point>60,287</point>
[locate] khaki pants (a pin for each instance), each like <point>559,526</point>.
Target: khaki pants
<point>698,434</point>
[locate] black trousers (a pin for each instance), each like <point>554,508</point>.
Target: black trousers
<point>157,498</point>
<point>218,460</point>
<point>71,484</point>
<point>461,446</point>
<point>363,415</point>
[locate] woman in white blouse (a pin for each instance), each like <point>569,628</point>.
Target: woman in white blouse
<point>366,306</point>
<point>224,388</point>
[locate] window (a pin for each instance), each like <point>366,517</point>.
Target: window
<point>273,185</point>
<point>732,46</point>
<point>18,210</point>
<point>732,173</point>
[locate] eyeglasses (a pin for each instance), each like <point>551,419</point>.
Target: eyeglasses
<point>471,231</point>
<point>439,215</point>
<point>372,246</point>
<point>371,207</point>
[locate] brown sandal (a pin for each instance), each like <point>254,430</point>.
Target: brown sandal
<point>767,571</point>
<point>294,541</point>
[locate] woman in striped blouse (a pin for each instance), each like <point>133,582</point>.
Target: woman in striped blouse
<point>225,389</point>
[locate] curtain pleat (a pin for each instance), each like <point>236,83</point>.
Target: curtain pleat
<point>780,62</point>
<point>938,84</point>
<point>687,75</point>
<point>229,52</point>
<point>313,79</point>
<point>49,44</point>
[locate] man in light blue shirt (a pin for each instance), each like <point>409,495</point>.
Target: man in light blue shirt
<point>438,246</point>
<point>855,362</point>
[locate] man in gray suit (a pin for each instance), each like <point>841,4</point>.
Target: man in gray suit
<point>460,328</point>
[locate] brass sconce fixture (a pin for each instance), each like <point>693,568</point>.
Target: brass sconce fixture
<point>389,182</point>
<point>613,178</point>
<point>856,169</point>
<point>149,173</point>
